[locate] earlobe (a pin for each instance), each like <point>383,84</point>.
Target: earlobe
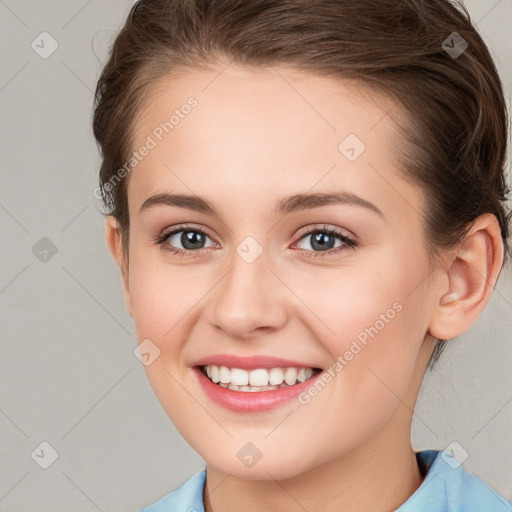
<point>471,276</point>
<point>115,246</point>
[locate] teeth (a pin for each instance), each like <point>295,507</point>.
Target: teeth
<point>251,388</point>
<point>224,375</point>
<point>301,376</point>
<point>275,376</point>
<point>259,379</point>
<point>290,376</point>
<point>256,377</point>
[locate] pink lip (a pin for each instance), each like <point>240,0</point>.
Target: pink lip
<point>257,401</point>
<point>250,363</point>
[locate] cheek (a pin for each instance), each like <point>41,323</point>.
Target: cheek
<point>161,294</point>
<point>370,318</point>
<point>395,332</point>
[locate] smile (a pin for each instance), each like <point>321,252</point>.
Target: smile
<point>259,394</point>
<point>258,379</point>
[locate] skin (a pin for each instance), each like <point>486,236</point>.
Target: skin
<point>252,140</point>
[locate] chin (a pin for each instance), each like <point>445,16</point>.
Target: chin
<point>266,468</point>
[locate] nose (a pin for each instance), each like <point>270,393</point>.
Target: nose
<point>249,300</point>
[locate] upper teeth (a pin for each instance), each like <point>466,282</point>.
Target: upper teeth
<point>257,377</point>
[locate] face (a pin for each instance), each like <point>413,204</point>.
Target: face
<point>336,284</point>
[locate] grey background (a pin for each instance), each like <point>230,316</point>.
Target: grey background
<point>68,373</point>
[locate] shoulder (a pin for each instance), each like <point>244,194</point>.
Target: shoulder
<point>448,487</point>
<point>186,498</point>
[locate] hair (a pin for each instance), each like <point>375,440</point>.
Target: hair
<point>455,116</point>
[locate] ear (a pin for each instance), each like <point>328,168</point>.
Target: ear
<point>471,276</point>
<point>114,243</point>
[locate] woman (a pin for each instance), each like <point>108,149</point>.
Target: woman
<point>305,201</point>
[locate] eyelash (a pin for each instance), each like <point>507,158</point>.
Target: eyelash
<point>348,242</point>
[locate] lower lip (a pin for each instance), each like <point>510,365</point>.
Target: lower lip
<point>255,401</point>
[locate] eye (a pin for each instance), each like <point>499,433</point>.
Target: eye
<point>323,242</point>
<point>191,239</point>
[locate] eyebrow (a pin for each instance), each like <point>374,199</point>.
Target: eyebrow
<point>294,203</point>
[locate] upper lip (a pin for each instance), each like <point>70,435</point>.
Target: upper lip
<point>250,362</point>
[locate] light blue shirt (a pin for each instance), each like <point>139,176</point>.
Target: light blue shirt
<point>447,487</point>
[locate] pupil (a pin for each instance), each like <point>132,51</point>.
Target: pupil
<point>190,239</point>
<point>322,245</point>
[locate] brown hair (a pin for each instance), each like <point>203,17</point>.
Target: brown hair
<point>456,117</point>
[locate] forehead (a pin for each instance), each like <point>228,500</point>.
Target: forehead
<point>254,135</point>
<point>261,102</point>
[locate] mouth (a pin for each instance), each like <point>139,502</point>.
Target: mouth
<point>257,379</point>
